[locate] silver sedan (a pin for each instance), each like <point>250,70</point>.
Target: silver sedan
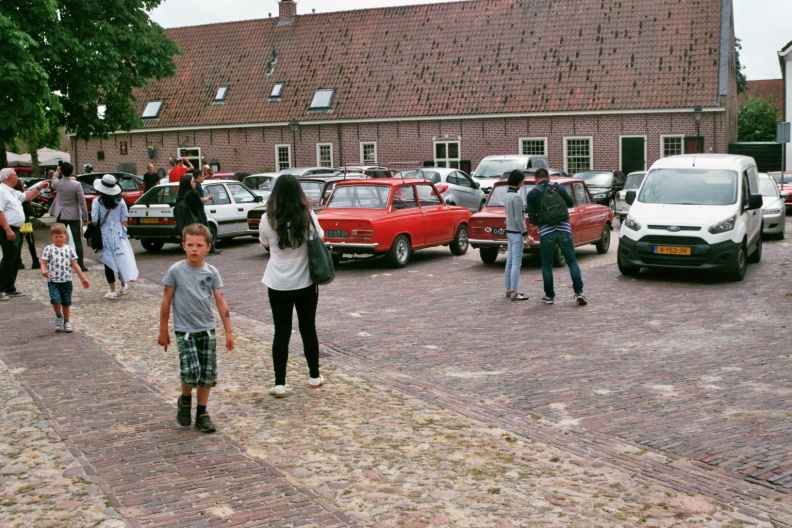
<point>773,209</point>
<point>456,187</point>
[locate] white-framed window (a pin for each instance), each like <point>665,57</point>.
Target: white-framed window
<point>578,154</point>
<point>324,154</point>
<point>368,153</point>
<point>322,99</point>
<point>533,146</point>
<point>282,157</point>
<point>152,110</point>
<point>220,95</point>
<point>672,145</point>
<point>193,154</point>
<point>446,154</point>
<point>277,91</point>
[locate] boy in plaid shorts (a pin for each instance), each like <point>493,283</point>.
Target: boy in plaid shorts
<point>57,263</point>
<point>189,286</point>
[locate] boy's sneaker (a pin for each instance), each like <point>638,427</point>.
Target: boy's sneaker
<point>67,327</point>
<point>580,299</point>
<point>204,424</point>
<point>59,324</point>
<point>279,391</point>
<point>316,382</point>
<point>183,415</point>
<point>111,295</point>
<point>547,300</point>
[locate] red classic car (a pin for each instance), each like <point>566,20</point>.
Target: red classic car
<point>391,217</point>
<point>591,223</point>
<point>131,186</point>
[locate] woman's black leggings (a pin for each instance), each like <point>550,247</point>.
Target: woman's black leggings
<point>283,304</point>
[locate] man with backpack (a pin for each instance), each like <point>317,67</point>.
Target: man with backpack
<point>548,209</point>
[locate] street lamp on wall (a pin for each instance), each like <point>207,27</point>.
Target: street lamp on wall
<point>697,117</point>
<point>294,126</point>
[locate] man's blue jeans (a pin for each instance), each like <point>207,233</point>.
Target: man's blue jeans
<point>514,255</point>
<point>547,246</point>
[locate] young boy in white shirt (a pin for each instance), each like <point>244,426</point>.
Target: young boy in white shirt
<point>57,262</point>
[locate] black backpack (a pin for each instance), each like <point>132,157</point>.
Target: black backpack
<point>552,207</point>
<point>183,215</point>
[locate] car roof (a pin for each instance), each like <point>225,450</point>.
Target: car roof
<point>439,170</point>
<point>704,161</point>
<point>392,182</point>
<point>554,179</point>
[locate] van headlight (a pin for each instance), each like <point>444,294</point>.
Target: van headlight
<point>771,212</point>
<point>723,226</point>
<point>630,223</point>
<point>599,196</point>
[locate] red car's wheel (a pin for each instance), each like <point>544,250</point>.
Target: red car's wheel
<point>399,254</point>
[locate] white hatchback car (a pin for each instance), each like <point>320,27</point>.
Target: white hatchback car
<point>151,218</point>
<point>632,182</point>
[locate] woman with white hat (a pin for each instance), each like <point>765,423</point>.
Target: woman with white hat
<point>110,213</point>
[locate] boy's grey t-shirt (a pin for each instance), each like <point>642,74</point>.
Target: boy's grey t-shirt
<point>192,296</point>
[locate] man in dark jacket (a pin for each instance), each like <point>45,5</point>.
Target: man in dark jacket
<point>69,207</point>
<point>550,235</point>
<point>151,178</point>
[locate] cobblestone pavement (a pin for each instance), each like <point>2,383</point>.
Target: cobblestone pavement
<point>662,403</point>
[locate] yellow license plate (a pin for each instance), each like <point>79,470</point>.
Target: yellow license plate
<point>672,250</point>
<point>149,220</point>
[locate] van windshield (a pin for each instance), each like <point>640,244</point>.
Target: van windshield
<point>497,168</point>
<point>689,187</point>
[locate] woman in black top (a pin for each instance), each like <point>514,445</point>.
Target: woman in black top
<point>188,193</point>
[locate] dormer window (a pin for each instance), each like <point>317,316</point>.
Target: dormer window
<point>322,99</point>
<point>220,95</point>
<point>277,91</point>
<point>152,110</point>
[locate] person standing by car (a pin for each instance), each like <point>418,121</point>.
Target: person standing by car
<point>284,229</point>
<point>27,236</point>
<point>515,234</point>
<point>179,170</point>
<point>554,231</point>
<point>199,177</point>
<point>69,207</point>
<point>12,216</point>
<point>151,178</point>
<point>110,213</point>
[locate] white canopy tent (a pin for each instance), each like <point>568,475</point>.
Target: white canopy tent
<point>46,157</point>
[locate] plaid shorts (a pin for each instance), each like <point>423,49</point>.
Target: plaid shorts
<point>60,293</point>
<point>197,358</point>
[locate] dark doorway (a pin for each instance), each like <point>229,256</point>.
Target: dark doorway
<point>633,154</point>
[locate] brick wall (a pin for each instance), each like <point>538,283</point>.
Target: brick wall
<point>253,149</point>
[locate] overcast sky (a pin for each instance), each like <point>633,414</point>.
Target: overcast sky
<point>763,26</point>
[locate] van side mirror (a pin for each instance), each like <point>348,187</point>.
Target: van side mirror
<point>630,198</point>
<point>755,201</point>
<point>476,185</point>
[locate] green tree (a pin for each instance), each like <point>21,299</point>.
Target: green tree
<point>61,59</point>
<point>756,120</point>
<point>742,80</point>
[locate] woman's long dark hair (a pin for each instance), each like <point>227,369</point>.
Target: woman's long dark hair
<point>185,186</point>
<point>110,202</point>
<point>289,212</point>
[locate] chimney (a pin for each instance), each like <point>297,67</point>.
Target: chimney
<point>287,12</point>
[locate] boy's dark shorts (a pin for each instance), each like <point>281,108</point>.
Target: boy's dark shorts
<point>60,293</point>
<point>197,358</point>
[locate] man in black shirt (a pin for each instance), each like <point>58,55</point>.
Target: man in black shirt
<point>151,178</point>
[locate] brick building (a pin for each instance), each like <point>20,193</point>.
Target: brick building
<point>599,84</point>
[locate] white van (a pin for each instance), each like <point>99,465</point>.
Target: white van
<point>694,211</point>
<point>492,168</point>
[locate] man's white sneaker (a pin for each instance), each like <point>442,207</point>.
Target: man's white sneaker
<point>111,295</point>
<point>279,391</point>
<point>316,382</point>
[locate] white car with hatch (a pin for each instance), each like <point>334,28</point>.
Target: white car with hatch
<point>694,211</point>
<point>151,218</point>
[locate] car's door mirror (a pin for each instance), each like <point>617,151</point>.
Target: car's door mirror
<point>755,201</point>
<point>476,185</point>
<point>784,194</point>
<point>259,198</point>
<point>630,197</point>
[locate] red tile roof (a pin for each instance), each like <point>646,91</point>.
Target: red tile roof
<point>458,58</point>
<point>771,89</point>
